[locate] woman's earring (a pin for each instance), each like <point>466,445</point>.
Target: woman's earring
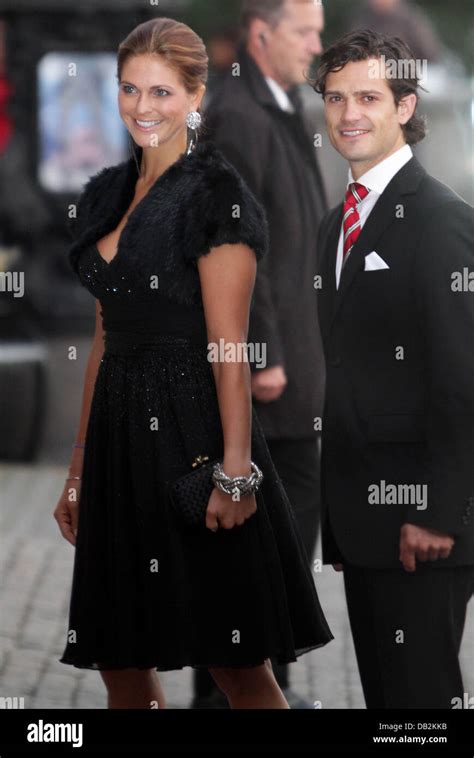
<point>193,121</point>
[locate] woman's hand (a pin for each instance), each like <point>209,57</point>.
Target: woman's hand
<point>67,511</point>
<point>224,512</point>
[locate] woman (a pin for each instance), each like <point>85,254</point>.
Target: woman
<point>168,244</point>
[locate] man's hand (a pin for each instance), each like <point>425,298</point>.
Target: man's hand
<point>424,544</point>
<point>338,566</point>
<point>268,383</point>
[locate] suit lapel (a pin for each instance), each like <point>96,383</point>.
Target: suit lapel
<point>382,216</point>
<point>327,268</point>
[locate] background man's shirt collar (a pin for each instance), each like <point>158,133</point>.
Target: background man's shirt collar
<point>280,95</point>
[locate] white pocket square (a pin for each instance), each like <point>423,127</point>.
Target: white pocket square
<point>374,262</point>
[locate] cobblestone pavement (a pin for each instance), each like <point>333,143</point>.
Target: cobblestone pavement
<point>36,570</point>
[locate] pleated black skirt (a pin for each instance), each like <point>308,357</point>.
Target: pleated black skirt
<point>146,593</point>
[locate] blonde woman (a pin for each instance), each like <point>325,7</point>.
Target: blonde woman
<point>168,244</point>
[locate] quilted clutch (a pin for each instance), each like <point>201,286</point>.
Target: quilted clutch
<point>190,493</point>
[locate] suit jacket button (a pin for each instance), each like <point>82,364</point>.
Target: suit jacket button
<point>335,360</point>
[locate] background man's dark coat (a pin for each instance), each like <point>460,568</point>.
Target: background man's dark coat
<point>273,150</point>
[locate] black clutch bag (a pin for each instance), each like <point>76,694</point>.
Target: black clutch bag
<point>190,493</point>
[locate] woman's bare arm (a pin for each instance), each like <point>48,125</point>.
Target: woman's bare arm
<point>227,274</point>
<point>66,511</point>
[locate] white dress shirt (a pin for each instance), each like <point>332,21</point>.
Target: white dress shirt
<point>376,179</point>
<point>280,95</point>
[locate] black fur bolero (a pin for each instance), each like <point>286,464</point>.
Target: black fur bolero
<point>199,202</point>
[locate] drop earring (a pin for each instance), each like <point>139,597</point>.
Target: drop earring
<point>193,121</point>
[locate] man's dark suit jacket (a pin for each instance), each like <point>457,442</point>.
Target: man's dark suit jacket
<point>273,151</point>
<point>399,346</point>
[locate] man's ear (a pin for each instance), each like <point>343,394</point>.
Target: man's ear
<point>406,108</point>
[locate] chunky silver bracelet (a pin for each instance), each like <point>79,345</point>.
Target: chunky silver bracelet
<point>245,485</point>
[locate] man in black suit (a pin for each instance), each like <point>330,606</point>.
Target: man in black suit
<point>396,309</point>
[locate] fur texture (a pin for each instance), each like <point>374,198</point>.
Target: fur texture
<point>198,203</point>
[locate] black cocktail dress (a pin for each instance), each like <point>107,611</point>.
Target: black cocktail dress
<point>145,593</point>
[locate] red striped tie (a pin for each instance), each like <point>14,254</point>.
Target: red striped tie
<point>351,220</point>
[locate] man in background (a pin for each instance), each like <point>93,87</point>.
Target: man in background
<point>255,117</point>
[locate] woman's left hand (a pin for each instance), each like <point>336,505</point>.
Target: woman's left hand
<point>224,512</point>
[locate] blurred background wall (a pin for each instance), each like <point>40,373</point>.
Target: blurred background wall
<point>58,128</point>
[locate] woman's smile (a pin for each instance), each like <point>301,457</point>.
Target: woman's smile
<point>145,125</point>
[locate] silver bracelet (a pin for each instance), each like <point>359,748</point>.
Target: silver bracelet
<point>69,478</point>
<point>245,485</point>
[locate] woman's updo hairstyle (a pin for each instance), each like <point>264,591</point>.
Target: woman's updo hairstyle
<point>177,43</point>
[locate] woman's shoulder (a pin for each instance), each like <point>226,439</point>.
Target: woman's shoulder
<point>218,184</point>
<point>213,169</point>
<point>223,209</point>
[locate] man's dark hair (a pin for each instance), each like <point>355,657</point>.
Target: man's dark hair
<point>362,44</point>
